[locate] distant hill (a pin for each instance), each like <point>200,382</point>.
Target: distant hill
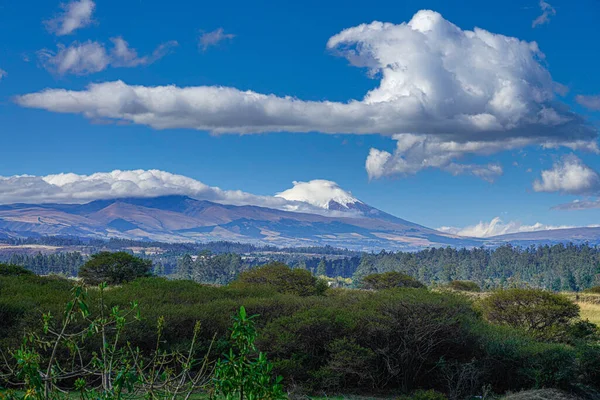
<point>575,235</point>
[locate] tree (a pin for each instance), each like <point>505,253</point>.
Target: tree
<point>243,373</point>
<point>114,268</point>
<point>322,268</point>
<point>185,267</point>
<point>283,279</point>
<point>542,314</point>
<point>389,280</point>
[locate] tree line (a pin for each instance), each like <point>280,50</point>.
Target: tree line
<point>572,267</point>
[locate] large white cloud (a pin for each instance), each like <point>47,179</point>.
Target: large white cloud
<point>76,188</point>
<point>90,57</point>
<point>75,15</point>
<point>570,176</point>
<point>435,79</point>
<point>497,227</point>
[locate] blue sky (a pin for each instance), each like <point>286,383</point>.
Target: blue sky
<point>281,49</point>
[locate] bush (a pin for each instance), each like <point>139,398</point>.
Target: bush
<point>389,280</point>
<point>542,314</point>
<point>282,279</point>
<point>114,268</point>
<point>464,286</point>
<point>13,270</point>
<point>514,361</point>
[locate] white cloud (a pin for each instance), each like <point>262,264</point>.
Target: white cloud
<point>79,58</point>
<point>591,102</point>
<point>3,74</point>
<point>75,15</point>
<point>318,192</point>
<point>547,12</point>
<point>453,92</point>
<point>90,57</point>
<point>497,227</point>
<point>75,188</point>
<point>571,176</point>
<point>213,38</point>
<point>414,153</point>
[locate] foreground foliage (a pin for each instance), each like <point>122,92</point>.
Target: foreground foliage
<point>245,373</point>
<point>398,340</point>
<point>87,353</point>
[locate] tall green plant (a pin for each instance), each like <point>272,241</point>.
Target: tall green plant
<point>243,373</point>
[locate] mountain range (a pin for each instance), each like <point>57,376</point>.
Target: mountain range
<point>349,224</point>
<point>344,222</point>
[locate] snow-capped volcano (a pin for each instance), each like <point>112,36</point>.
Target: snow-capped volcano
<point>321,193</point>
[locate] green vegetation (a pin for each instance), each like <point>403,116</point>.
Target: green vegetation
<point>282,279</point>
<point>114,268</point>
<point>143,336</point>
<point>542,314</point>
<point>389,280</point>
<point>239,374</point>
<point>13,270</point>
<point>558,268</point>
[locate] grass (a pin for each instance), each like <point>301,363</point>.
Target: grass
<point>590,311</point>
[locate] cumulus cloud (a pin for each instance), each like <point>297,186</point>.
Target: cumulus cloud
<point>318,192</point>
<point>75,15</point>
<point>569,176</point>
<point>90,57</point>
<point>3,74</point>
<point>440,86</point>
<point>497,227</point>
<point>591,102</point>
<point>414,153</point>
<point>213,38</point>
<point>547,12</point>
<point>75,188</point>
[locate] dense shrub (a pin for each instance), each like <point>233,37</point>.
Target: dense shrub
<point>283,279</point>
<point>383,340</point>
<point>464,286</point>
<point>389,280</point>
<point>542,314</point>
<point>398,340</point>
<point>114,268</point>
